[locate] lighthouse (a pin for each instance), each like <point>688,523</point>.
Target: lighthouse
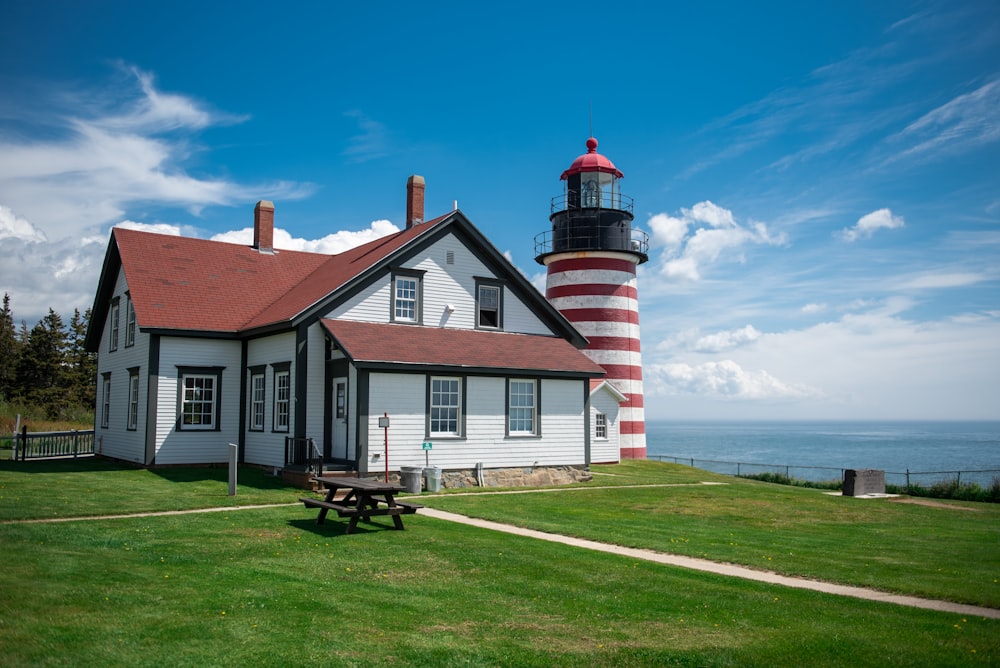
<point>591,253</point>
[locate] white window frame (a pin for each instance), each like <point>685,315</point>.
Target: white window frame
<point>497,308</point>
<point>444,406</point>
<point>522,407</point>
<point>282,398</point>
<point>105,400</point>
<point>132,422</point>
<point>601,426</point>
<point>198,410</point>
<point>406,298</point>
<point>129,321</point>
<point>258,397</point>
<point>114,319</point>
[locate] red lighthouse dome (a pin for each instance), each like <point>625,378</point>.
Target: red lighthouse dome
<point>591,161</point>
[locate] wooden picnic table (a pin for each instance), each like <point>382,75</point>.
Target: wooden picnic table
<point>364,499</point>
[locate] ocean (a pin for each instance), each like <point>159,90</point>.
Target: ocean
<point>930,451</point>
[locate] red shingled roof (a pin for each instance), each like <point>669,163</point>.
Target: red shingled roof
<point>415,344</point>
<point>182,283</point>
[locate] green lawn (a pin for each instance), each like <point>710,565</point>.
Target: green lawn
<point>949,550</point>
<point>269,587</point>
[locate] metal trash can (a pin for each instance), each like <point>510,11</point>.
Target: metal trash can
<point>433,474</point>
<point>412,477</point>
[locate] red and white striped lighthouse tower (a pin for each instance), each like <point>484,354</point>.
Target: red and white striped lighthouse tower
<point>591,254</point>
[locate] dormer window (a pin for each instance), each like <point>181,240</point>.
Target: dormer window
<point>488,305</point>
<point>406,297</point>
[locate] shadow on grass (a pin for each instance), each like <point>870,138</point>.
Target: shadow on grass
<point>246,476</point>
<point>334,526</point>
<point>79,465</point>
<point>250,476</point>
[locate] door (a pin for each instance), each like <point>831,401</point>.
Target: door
<point>339,426</point>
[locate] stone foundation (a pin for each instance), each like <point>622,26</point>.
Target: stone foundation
<point>527,476</point>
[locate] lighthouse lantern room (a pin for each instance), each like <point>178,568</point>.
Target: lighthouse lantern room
<point>591,253</point>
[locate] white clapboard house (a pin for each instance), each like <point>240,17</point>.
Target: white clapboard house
<point>204,343</point>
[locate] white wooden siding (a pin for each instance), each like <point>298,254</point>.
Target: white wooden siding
<point>403,396</point>
<point>194,446</point>
<point>268,447</point>
<point>608,450</point>
<point>116,440</point>
<point>443,285</point>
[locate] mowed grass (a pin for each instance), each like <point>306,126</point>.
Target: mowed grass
<point>947,550</point>
<point>269,587</point>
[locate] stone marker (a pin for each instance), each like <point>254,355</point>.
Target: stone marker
<point>858,482</point>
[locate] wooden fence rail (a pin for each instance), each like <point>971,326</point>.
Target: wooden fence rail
<point>50,444</point>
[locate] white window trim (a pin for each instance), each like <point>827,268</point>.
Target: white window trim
<point>397,302</point>
<point>433,420</point>
<point>514,407</point>
<point>257,402</point>
<point>600,424</point>
<point>105,400</point>
<point>133,400</point>
<point>488,285</point>
<point>215,403</point>
<point>129,321</point>
<point>282,417</point>
<point>115,320</point>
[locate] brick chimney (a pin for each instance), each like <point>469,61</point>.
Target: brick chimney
<point>414,201</point>
<point>263,226</point>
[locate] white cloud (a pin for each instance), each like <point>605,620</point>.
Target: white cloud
<point>721,341</point>
<point>872,364</point>
<point>956,279</point>
<point>964,122</point>
<point>725,379</point>
<point>870,222</point>
<point>13,227</point>
<point>813,308</point>
<point>331,244</point>
<point>155,228</point>
<point>704,235</point>
<point>370,143</point>
<point>93,164</point>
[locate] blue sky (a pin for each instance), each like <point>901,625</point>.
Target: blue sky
<point>821,183</point>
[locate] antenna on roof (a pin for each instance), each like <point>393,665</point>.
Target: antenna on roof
<point>591,118</point>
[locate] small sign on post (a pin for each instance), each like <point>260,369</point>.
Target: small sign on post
<point>427,453</point>
<point>383,423</point>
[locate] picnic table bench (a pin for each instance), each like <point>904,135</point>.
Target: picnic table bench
<point>364,500</point>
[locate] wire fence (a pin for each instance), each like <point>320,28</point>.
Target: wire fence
<point>982,477</point>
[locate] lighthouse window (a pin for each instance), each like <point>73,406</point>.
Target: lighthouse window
<point>405,298</point>
<point>488,306</point>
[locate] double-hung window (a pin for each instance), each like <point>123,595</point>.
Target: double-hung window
<point>488,306</point>
<point>133,399</point>
<point>601,426</point>
<point>129,321</point>
<point>282,396</point>
<point>200,389</point>
<point>522,410</point>
<point>105,400</point>
<point>113,321</point>
<point>257,390</point>
<point>445,413</point>
<point>406,298</point>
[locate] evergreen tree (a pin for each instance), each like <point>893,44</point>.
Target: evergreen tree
<point>42,368</point>
<point>82,365</point>
<point>8,351</point>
